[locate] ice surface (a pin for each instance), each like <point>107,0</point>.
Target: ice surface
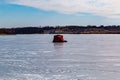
<point>83,57</point>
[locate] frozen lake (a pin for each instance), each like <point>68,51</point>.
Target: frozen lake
<point>83,57</point>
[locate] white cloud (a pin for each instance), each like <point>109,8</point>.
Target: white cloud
<point>106,8</point>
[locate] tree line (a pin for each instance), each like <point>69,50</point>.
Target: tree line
<point>90,29</point>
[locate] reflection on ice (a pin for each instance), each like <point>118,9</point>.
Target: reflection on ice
<point>58,45</point>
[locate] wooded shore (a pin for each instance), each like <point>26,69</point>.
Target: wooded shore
<point>62,30</point>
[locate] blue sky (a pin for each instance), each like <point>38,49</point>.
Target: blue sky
<point>22,13</point>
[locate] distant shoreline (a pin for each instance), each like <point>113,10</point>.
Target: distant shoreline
<point>62,30</point>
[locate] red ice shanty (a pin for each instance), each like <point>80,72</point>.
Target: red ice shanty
<point>59,38</point>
